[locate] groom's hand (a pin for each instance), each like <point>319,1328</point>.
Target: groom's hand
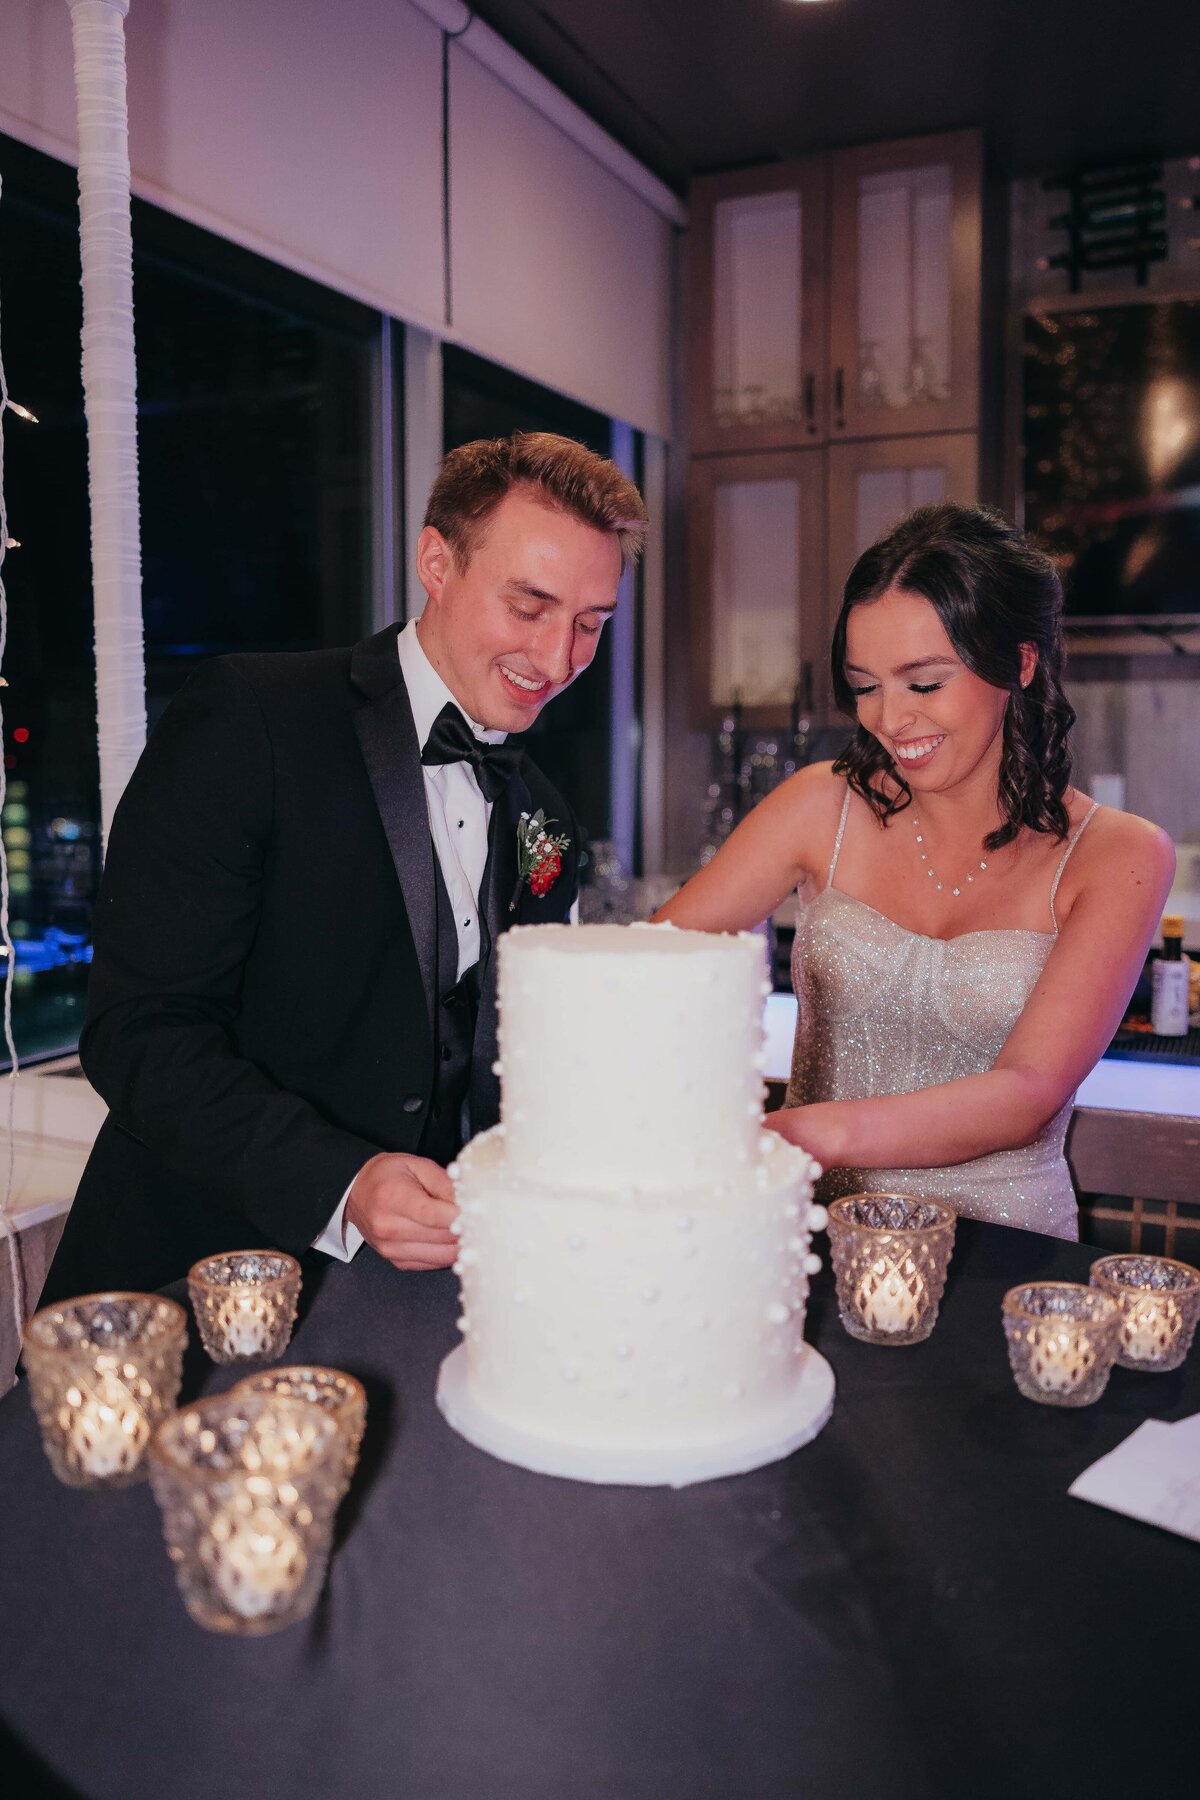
<point>404,1207</point>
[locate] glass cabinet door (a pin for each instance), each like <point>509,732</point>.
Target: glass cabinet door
<point>906,287</point>
<point>757,309</point>
<point>757,560</point>
<point>872,486</point>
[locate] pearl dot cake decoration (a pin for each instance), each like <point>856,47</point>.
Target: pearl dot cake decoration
<point>634,1249</point>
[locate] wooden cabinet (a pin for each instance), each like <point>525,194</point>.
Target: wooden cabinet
<point>833,385</point>
<point>872,485</point>
<point>757,554</point>
<point>906,222</point>
<point>758,370</point>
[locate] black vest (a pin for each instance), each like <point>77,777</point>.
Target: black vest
<point>446,1125</point>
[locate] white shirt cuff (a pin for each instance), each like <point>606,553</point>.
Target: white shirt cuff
<point>341,1237</point>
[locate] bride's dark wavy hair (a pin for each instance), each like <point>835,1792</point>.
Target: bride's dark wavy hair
<point>992,592</point>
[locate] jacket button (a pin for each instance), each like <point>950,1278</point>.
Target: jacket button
<point>414,1103</point>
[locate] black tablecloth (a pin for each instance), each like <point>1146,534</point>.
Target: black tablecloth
<point>910,1606</point>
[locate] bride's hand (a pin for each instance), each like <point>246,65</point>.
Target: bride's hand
<point>788,1121</point>
<point>813,1128</point>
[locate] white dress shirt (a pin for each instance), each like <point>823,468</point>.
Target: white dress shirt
<point>458,821</point>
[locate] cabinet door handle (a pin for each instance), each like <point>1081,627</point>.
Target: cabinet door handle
<point>839,398</point>
<point>810,401</point>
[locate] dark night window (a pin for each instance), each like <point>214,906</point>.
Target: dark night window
<point>254,440</point>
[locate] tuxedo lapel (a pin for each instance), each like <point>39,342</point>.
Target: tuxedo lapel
<point>496,892</point>
<point>500,878</point>
<point>388,739</point>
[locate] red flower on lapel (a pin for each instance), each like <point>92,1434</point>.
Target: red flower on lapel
<point>539,855</point>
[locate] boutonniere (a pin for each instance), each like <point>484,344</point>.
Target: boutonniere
<point>539,855</point>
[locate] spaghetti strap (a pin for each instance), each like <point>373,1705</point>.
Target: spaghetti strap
<point>837,842</point>
<point>1066,857</point>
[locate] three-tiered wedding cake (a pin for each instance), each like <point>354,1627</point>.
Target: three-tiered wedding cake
<point>634,1246</point>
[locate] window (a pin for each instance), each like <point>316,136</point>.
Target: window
<point>255,395</point>
<point>572,740</point>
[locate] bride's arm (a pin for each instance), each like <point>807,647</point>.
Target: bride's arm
<point>761,862</point>
<point>1123,878</point>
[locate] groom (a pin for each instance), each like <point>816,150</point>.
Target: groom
<point>292,1007</point>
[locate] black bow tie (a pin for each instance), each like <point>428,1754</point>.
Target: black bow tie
<point>452,740</point>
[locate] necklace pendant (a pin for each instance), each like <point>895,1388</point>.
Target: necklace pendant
<point>929,868</point>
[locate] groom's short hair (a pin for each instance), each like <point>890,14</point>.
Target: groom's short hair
<point>475,478</point>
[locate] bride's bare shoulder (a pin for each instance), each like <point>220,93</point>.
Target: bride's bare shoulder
<point>816,788</point>
<point>810,804</point>
<point>812,798</point>
<point>1116,844</point>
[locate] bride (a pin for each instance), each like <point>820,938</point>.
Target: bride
<point>970,926</point>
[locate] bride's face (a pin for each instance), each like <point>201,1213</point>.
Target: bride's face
<point>937,721</point>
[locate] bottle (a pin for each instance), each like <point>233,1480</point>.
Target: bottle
<point>1169,982</point>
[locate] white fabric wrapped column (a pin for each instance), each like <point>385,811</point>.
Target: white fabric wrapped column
<point>109,386</point>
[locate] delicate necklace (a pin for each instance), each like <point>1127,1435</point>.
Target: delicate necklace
<point>929,868</point>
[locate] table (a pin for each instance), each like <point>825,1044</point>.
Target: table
<point>910,1608</point>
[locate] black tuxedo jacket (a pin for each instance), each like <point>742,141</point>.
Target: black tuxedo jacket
<point>262,1000</point>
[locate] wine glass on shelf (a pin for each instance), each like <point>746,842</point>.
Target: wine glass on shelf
<point>871,392</point>
<point>923,387</point>
<point>752,403</point>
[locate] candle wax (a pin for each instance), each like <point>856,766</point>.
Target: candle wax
<point>245,1321</point>
<point>886,1299</point>
<point>1063,1360</point>
<point>1150,1329</point>
<point>108,1432</point>
<point>258,1560</point>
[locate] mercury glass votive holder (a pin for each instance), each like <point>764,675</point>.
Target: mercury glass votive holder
<point>1159,1300</point>
<point>245,1304</point>
<point>248,1485</point>
<point>340,1394</point>
<point>890,1255</point>
<point>1062,1341</point>
<point>103,1369</point>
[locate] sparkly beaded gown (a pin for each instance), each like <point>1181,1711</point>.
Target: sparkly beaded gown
<point>884,1010</point>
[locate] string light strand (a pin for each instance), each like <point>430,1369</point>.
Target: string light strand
<point>10,957</point>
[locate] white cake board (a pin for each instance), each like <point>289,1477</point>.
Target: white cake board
<point>652,1465</point>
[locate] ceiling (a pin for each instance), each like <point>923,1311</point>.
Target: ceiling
<point>696,85</point>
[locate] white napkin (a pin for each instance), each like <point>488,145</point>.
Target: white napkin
<point>1153,1475</point>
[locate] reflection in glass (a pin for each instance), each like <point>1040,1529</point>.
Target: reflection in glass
<point>882,497</point>
<point>757,309</point>
<point>755,599</point>
<point>904,276</point>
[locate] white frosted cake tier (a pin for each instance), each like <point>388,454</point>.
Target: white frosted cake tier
<point>631,1055</point>
<point>635,1335</point>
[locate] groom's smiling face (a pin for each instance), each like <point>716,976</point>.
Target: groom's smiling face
<point>515,625</point>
